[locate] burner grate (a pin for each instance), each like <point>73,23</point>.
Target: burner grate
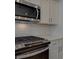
<point>30,39</point>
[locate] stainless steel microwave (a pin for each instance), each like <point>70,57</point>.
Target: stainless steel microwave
<point>26,11</point>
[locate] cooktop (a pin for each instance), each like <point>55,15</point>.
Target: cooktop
<point>29,41</point>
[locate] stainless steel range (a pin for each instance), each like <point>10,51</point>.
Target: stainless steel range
<point>29,46</point>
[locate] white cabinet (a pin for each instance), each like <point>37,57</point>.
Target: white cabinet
<point>53,50</point>
<point>53,11</point>
<point>60,49</point>
<point>49,11</point>
<point>56,49</point>
<point>44,11</point>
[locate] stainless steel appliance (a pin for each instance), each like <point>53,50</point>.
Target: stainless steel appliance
<point>31,47</point>
<point>26,11</point>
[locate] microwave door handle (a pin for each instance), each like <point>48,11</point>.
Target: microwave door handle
<point>37,13</point>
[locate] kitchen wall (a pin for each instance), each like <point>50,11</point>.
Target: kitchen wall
<point>32,29</point>
<point>46,31</point>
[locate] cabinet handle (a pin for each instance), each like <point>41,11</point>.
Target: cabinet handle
<point>37,12</point>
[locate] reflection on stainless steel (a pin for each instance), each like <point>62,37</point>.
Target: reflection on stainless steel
<point>32,53</point>
<point>25,18</point>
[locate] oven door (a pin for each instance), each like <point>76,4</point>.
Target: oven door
<point>41,53</point>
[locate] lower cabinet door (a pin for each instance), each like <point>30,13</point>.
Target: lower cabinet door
<point>43,55</point>
<point>53,50</point>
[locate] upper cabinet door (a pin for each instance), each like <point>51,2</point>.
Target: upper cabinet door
<point>49,11</point>
<point>44,5</point>
<point>54,11</point>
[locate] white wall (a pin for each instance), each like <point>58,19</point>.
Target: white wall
<point>32,29</point>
